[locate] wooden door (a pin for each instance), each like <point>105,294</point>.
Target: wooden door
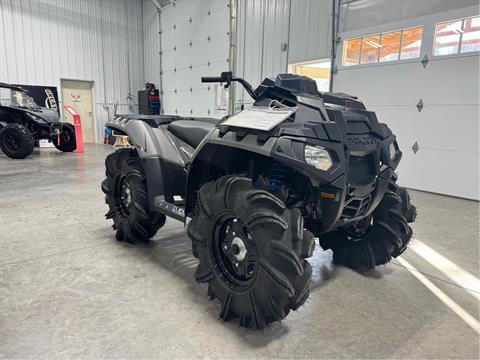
<point>78,95</point>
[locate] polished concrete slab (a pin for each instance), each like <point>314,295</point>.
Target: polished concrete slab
<point>69,290</point>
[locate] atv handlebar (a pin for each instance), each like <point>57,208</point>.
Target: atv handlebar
<point>227,78</point>
<point>211,79</point>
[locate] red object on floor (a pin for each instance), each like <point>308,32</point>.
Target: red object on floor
<point>78,127</point>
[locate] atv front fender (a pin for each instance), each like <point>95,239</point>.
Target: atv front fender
<point>215,155</point>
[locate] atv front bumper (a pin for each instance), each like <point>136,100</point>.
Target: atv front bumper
<point>355,183</point>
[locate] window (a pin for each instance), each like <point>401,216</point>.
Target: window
<point>390,49</point>
<point>351,51</point>
<point>388,46</point>
<point>370,47</point>
<point>447,38</point>
<point>318,70</point>
<point>471,35</point>
<point>411,43</point>
<point>457,36</point>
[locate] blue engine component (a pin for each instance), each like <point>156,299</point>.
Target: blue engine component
<point>278,175</point>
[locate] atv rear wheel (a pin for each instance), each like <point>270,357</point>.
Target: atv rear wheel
<point>252,251</point>
<point>16,141</point>
<point>385,236</point>
<point>68,142</point>
<point>126,195</point>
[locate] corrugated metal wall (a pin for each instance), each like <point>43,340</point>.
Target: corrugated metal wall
<point>42,41</point>
<point>274,33</point>
<point>151,36</point>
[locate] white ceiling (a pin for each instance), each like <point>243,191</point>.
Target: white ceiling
<point>358,14</point>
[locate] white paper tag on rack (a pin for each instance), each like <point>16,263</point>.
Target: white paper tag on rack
<point>260,117</point>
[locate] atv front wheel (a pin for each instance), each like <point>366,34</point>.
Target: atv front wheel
<point>252,251</point>
<point>68,142</point>
<point>126,195</point>
<point>386,235</point>
<point>16,141</point>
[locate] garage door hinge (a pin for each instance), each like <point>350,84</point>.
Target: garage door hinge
<point>415,147</point>
<point>420,105</point>
<point>425,61</point>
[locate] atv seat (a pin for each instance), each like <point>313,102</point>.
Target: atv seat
<point>190,131</point>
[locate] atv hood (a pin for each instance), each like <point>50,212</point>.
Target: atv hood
<point>49,115</point>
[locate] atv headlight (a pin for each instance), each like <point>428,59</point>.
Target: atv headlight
<point>318,156</point>
<point>393,151</point>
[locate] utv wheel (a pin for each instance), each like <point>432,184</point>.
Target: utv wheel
<point>68,143</point>
<point>387,236</point>
<point>126,195</point>
<point>16,141</point>
<point>251,251</point>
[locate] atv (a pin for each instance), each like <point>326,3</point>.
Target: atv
<point>23,122</point>
<point>259,187</point>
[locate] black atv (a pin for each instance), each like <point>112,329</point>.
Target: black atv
<point>23,122</point>
<point>259,186</point>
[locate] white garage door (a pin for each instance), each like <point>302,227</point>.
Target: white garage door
<point>195,43</point>
<point>441,142</point>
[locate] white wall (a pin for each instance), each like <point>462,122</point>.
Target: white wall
<point>195,43</point>
<point>42,41</point>
<point>447,129</point>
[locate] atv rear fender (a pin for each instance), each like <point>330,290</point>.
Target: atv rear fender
<point>164,167</point>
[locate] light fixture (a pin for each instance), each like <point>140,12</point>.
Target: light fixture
<point>373,44</point>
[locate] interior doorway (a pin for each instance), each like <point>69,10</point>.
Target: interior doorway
<point>319,70</point>
<point>79,95</point>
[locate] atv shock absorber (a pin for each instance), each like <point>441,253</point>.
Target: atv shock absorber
<point>278,175</point>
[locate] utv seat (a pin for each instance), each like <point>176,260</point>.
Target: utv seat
<point>190,131</point>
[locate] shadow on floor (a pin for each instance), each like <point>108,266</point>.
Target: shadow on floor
<point>171,250</point>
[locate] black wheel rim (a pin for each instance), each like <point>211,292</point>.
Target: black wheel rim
<point>123,196</point>
<point>234,252</point>
<point>65,138</point>
<point>359,230</point>
<point>12,141</point>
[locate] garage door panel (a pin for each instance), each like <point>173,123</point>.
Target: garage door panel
<point>205,53</point>
<point>379,85</point>
<point>444,127</point>
<point>444,172</point>
<point>183,67</point>
<point>440,82</point>
<point>449,81</point>
<point>184,79</point>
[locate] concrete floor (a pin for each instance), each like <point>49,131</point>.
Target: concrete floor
<point>68,289</point>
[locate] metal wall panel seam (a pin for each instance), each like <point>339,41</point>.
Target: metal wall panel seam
<point>288,33</point>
